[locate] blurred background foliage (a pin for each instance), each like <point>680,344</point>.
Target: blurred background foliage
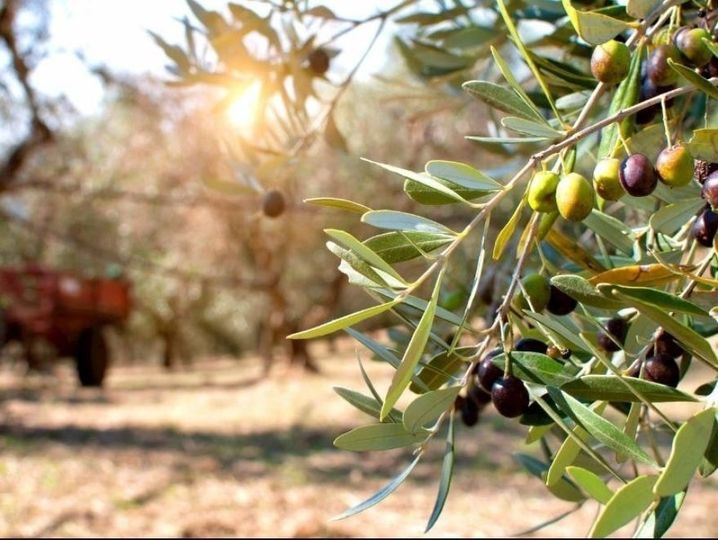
<point>165,184</point>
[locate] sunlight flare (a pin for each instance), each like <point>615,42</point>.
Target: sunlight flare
<point>243,110</point>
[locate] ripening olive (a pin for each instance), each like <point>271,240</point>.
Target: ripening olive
<point>662,369</point>
<point>574,197</point>
<point>709,191</point>
<point>318,61</point>
<point>531,345</point>
<point>705,227</point>
<point>606,179</point>
<point>690,42</point>
<point>616,327</point>
<point>480,396</point>
<point>510,396</point>
<point>542,191</point>
<point>657,68</point>
<point>650,90</point>
<point>638,177</point>
<point>703,169</point>
<point>469,412</point>
<point>487,372</point>
<point>666,344</point>
<point>711,68</point>
<point>538,290</point>
<point>610,62</point>
<point>674,165</point>
<point>273,203</point>
<point>559,303</point>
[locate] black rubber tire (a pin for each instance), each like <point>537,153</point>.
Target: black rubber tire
<point>91,357</point>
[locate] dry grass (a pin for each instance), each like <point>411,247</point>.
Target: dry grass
<point>217,451</point>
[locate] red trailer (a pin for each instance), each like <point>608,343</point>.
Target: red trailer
<point>65,309</point>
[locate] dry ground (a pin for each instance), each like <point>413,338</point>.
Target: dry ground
<point>217,451</point>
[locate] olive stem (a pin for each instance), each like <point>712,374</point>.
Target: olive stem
<point>666,128</point>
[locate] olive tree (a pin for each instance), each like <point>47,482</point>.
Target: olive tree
<point>603,112</point>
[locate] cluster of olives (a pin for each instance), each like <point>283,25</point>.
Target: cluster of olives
<point>660,365</point>
<point>273,203</point>
<point>610,61</point>
<point>489,384</point>
<point>637,176</point>
<point>572,195</point>
<point>706,224</point>
<point>542,295</point>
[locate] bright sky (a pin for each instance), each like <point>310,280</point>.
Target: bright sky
<point>114,33</point>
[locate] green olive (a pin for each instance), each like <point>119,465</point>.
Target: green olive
<point>675,166</point>
<point>574,197</point>
<point>538,289</point>
<point>607,179</point>
<point>690,42</point>
<point>542,191</point>
<point>610,62</point>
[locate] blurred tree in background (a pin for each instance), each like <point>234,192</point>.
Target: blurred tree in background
<point>168,186</point>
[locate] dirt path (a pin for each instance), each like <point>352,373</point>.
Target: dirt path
<point>216,451</point>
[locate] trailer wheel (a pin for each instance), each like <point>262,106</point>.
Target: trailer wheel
<point>91,356</point>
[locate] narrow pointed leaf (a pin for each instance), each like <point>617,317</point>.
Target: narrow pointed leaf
<point>591,483</point>
<point>427,195</point>
<point>405,371</point>
<point>595,28</point>
<point>400,246</point>
<point>704,145</point>
<point>402,221</point>
<point>626,504</point>
<point>375,347</point>
<point>626,95</point>
<point>598,427</point>
<point>658,523</point>
<point>428,407</point>
<point>610,229</point>
<point>380,495</point>
<point>534,367</point>
<point>611,388</point>
<point>363,251</point>
<point>636,274</point>
<point>447,472</point>
<point>514,35</point>
<point>670,218</point>
<point>441,368</point>
<point>583,291</point>
<point>565,456</point>
<point>342,204</point>
<point>661,299</point>
<point>393,417</point>
<point>568,247</point>
<point>365,404</point>
<point>507,232</point>
<point>559,330</point>
<point>501,98</point>
<point>529,127</point>
<point>343,322</point>
<point>689,445</point>
<point>640,8</point>
<point>421,179</point>
<point>701,83</point>
<point>462,175</point>
<point>503,66</point>
<point>378,437</point>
